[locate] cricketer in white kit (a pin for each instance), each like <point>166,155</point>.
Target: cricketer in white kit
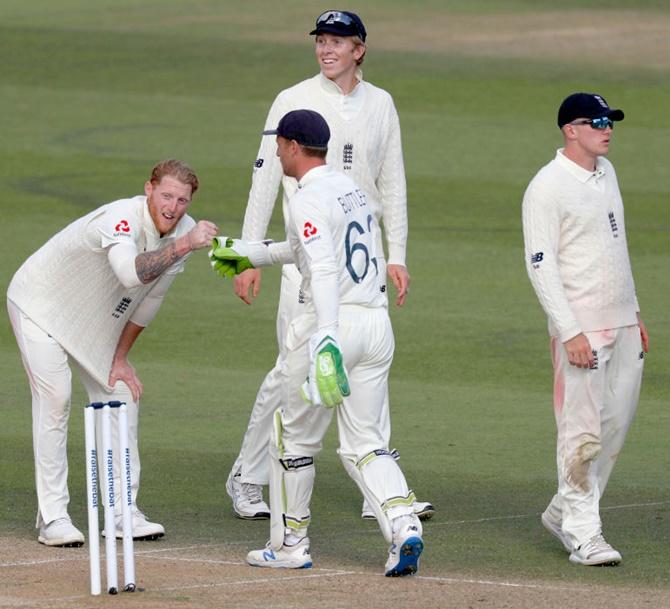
<point>366,145</point>
<point>83,298</point>
<point>333,240</point>
<point>577,260</point>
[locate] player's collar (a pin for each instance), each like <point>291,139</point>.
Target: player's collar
<point>313,174</point>
<point>583,175</point>
<point>331,87</point>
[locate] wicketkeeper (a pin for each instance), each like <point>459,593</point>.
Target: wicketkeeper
<point>339,352</point>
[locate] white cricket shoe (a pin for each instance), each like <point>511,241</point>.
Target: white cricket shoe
<point>422,509</point>
<point>61,532</point>
<point>296,556</point>
<point>405,550</point>
<point>247,499</point>
<point>596,551</point>
<point>555,529</point>
<point>143,529</point>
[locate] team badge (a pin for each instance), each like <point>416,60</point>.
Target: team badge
<point>347,156</point>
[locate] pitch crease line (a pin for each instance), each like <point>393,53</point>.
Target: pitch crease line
<point>537,514</point>
<point>244,582</point>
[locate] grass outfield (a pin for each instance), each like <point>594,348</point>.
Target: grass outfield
<point>92,94</point>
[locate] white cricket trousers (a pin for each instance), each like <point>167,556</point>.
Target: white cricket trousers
<point>252,460</point>
<point>47,366</point>
<point>366,340</point>
<point>593,409</point>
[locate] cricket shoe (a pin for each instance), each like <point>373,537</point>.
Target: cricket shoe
<point>596,551</point>
<point>422,509</point>
<point>405,550</point>
<point>295,556</point>
<point>143,529</point>
<point>61,532</point>
<point>247,499</point>
<point>555,529</point>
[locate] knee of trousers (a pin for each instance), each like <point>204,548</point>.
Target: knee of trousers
<point>577,464</point>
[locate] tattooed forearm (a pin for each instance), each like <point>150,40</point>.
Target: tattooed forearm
<point>150,265</point>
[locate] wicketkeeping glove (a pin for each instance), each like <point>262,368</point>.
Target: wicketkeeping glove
<point>327,383</point>
<point>230,257</point>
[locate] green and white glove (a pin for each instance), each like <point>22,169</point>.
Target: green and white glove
<point>230,256</point>
<point>327,383</point>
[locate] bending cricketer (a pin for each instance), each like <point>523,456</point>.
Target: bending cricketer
<point>342,343</point>
<point>577,260</point>
<point>83,298</point>
<point>366,145</point>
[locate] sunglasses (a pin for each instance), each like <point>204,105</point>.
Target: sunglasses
<point>330,17</point>
<point>334,17</point>
<point>596,123</point>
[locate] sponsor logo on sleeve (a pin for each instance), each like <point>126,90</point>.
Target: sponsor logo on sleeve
<point>310,233</point>
<point>122,229</point>
<point>258,163</point>
<point>536,258</point>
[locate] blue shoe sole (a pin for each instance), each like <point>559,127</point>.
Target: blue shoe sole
<point>409,558</point>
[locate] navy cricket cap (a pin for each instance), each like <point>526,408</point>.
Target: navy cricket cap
<point>341,23</point>
<point>585,105</point>
<point>306,127</point>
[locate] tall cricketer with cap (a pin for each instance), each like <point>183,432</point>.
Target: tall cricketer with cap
<point>365,144</point>
<point>338,353</point>
<point>577,260</point>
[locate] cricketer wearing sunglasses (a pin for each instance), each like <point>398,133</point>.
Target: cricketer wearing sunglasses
<point>577,261</point>
<point>365,145</point>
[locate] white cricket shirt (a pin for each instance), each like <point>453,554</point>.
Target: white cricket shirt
<point>365,144</point>
<point>68,288</point>
<point>575,247</point>
<point>333,234</point>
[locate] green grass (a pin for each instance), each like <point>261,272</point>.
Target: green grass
<point>91,95</point>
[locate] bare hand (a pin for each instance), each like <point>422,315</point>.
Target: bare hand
<point>245,281</point>
<point>400,278</point>
<point>123,370</point>
<point>643,334</point>
<point>201,234</point>
<point>579,351</point>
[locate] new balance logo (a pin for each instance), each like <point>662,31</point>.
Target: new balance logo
<point>259,163</point>
<point>613,225</point>
<point>536,258</point>
<point>269,555</point>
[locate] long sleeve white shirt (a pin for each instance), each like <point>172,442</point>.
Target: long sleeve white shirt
<point>575,248</point>
<point>333,235</point>
<point>365,144</point>
<point>70,290</point>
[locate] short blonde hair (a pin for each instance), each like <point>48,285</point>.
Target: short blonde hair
<point>358,42</point>
<point>175,169</point>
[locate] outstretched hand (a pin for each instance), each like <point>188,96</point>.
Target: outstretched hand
<point>201,234</point>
